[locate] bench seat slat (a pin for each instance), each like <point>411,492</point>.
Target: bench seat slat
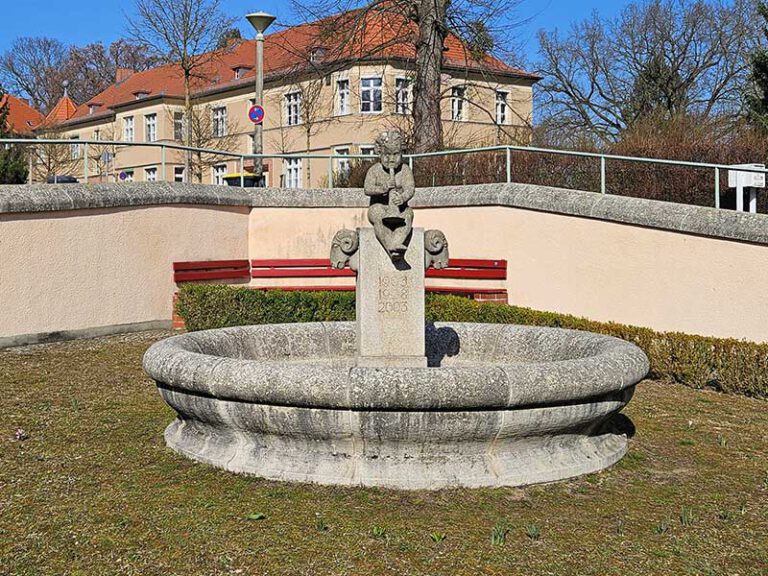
<point>197,275</point>
<point>302,273</point>
<point>467,273</point>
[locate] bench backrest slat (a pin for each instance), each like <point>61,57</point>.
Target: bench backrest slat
<point>458,268</point>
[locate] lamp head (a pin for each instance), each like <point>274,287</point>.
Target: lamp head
<point>260,20</point>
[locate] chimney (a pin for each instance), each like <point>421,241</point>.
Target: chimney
<point>122,74</point>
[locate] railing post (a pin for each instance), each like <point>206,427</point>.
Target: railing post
<point>602,174</point>
<point>717,188</point>
<point>242,171</point>
<point>164,177</point>
<point>509,165</point>
<point>31,153</point>
<point>85,162</point>
<point>330,171</point>
<point>410,163</point>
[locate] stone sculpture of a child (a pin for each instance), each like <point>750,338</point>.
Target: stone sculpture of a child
<point>390,185</point>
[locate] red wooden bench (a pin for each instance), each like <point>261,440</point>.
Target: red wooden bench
<point>476,270</point>
<point>458,268</point>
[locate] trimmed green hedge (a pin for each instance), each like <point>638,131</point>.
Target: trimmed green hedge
<point>728,365</point>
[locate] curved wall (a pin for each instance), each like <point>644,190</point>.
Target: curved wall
<point>90,259</point>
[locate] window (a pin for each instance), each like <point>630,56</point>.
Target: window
<point>402,96</point>
<point>219,171</point>
<point>219,122</point>
<point>292,173</point>
<point>128,129</point>
<point>293,108</point>
<point>342,164</point>
<point>150,174</point>
<point>342,89</point>
<point>178,126</point>
<point>74,149</point>
<point>367,150</point>
<point>457,103</point>
<point>501,107</point>
<point>370,95</point>
<point>178,174</point>
<point>150,124</point>
<point>127,176</point>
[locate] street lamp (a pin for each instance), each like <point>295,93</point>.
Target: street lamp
<point>260,22</point>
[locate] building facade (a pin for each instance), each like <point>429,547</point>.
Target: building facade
<point>315,103</point>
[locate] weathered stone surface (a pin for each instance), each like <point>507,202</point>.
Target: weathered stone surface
<point>390,303</point>
<point>636,211</point>
<point>499,405</point>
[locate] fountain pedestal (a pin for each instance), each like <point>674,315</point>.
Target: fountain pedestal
<point>390,304</point>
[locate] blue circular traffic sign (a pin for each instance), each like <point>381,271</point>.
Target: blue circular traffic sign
<point>256,114</point>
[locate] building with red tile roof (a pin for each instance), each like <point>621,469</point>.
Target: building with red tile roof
<point>364,85</point>
<point>22,118</point>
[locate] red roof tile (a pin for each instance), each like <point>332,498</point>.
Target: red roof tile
<point>22,118</point>
<point>288,50</point>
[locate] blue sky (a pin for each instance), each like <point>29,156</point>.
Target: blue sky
<point>84,22</point>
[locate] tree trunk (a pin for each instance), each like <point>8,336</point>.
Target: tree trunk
<point>427,124</point>
<point>187,128</point>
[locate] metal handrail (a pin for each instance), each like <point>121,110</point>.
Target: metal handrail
<point>507,149</point>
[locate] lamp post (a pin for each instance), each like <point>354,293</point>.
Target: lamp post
<point>260,21</point>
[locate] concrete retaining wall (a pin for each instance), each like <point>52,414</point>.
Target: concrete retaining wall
<point>80,258</point>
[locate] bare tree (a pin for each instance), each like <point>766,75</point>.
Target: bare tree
<point>672,56</point>
<point>208,133</point>
<point>186,32</point>
<point>31,68</point>
<point>366,29</point>
<point>93,68</point>
<point>55,160</point>
<point>36,68</point>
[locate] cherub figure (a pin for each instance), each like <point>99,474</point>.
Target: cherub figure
<point>390,185</point>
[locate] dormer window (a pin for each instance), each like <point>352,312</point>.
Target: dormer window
<point>240,70</point>
<point>93,107</point>
<point>317,54</point>
<point>141,94</point>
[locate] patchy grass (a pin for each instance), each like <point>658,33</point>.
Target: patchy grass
<point>93,490</point>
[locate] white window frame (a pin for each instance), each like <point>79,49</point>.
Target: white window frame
<point>402,95</point>
<point>129,176</point>
<point>150,174</point>
<point>219,120</point>
<point>178,173</point>
<point>178,126</point>
<point>502,107</point>
<point>74,149</point>
<point>458,103</point>
<point>342,97</point>
<point>150,127</point>
<point>292,172</point>
<point>368,95</point>
<point>129,129</point>
<point>367,150</point>
<point>293,102</point>
<point>218,172</point>
<point>343,165</point>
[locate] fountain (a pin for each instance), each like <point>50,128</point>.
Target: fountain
<point>390,400</point>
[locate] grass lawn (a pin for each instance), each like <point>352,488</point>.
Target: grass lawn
<point>94,490</point>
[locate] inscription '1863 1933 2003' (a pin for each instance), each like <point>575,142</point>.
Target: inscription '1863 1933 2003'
<point>393,293</point>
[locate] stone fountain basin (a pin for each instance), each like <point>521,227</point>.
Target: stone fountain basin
<point>498,404</point>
